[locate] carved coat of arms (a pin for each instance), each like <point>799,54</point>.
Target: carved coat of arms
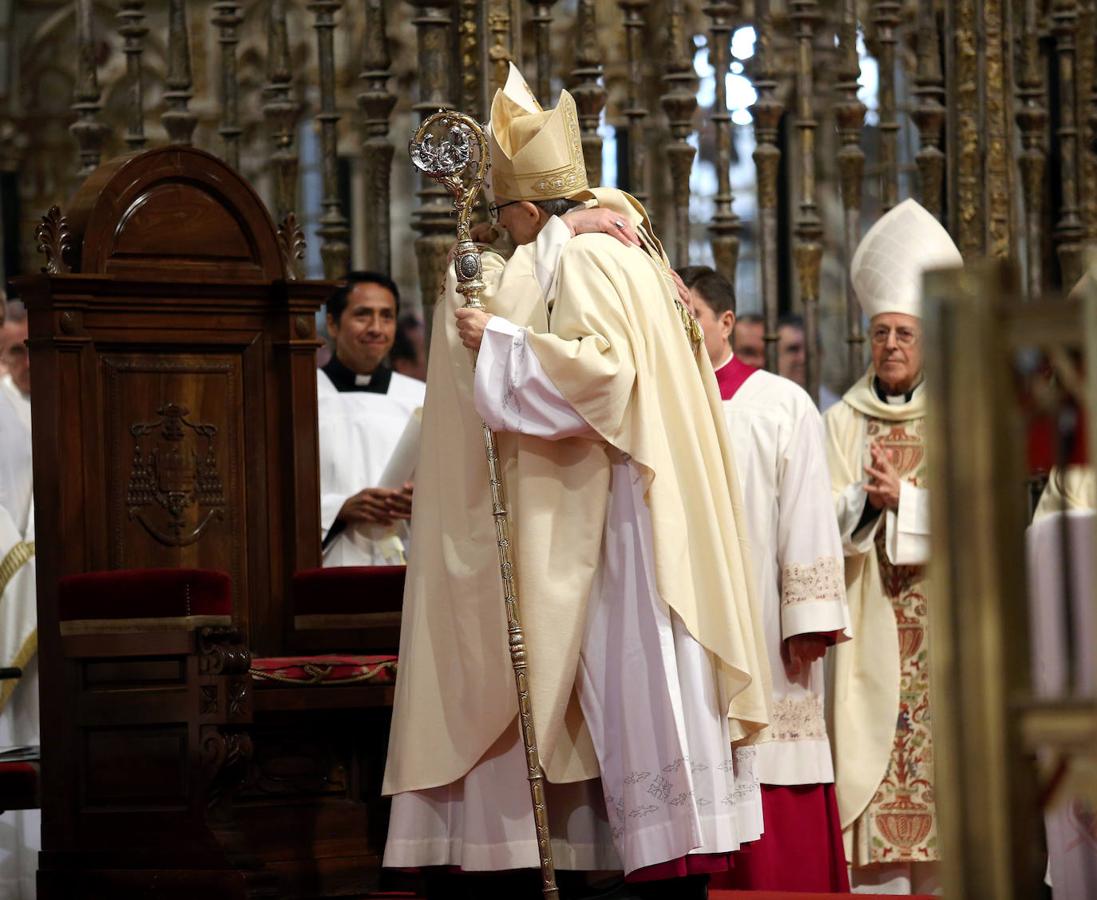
<point>174,489</point>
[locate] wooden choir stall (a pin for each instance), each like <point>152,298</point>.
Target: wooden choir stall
<point>214,705</point>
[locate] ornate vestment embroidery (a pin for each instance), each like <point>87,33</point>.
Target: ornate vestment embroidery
<point>823,581</point>
<point>900,822</point>
<point>796,719</point>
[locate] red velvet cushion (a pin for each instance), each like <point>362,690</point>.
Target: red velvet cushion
<point>346,590</point>
<point>334,669</point>
<point>145,593</point>
<point>18,785</point>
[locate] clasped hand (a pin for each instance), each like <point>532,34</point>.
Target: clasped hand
<point>378,506</point>
<point>883,484</point>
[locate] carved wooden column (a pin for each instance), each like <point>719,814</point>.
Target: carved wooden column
<point>333,230</point>
<point>679,104</point>
<point>133,31</point>
<point>376,103</point>
<point>929,112</point>
<point>997,70</point>
<point>177,119</point>
<point>590,95</point>
<point>725,225</point>
<point>88,131</point>
<point>809,227</point>
<point>542,37</point>
<point>226,16</point>
<point>1032,119</point>
<point>434,216</point>
<point>1087,78</point>
<point>965,168</point>
<point>499,51</point>
<point>850,116</point>
<point>767,111</point>
<point>1069,231</point>
<point>635,112</point>
<point>470,93</point>
<point>280,112</point>
<point>885,17</point>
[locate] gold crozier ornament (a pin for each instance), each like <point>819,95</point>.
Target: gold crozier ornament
<point>452,149</point>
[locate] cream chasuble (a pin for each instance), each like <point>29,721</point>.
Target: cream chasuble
<point>882,740</point>
<point>358,432</point>
<point>455,694</point>
<point>777,435</point>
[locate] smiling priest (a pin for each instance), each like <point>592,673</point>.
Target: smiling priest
<point>645,652</point>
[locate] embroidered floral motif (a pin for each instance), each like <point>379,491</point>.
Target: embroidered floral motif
<point>900,823</point>
<point>796,719</point>
<point>660,789</point>
<point>822,581</point>
<point>635,777</point>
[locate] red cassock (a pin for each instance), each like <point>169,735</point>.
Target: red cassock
<point>801,849</point>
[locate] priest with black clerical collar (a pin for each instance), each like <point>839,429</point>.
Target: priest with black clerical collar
<point>364,409</point>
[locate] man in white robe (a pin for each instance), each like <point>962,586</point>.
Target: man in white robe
<point>15,450</point>
<point>777,437</point>
<point>643,646</point>
<point>1066,510</point>
<point>364,408</point>
<point>883,740</point>
<point>20,830</point>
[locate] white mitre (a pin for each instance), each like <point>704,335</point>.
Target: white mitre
<point>888,265</point>
<point>536,154</point>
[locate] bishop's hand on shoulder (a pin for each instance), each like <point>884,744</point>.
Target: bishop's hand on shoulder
<point>600,220</point>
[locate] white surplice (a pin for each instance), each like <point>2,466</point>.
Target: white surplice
<point>1069,819</point>
<point>20,830</point>
<point>778,439</point>
<point>15,453</point>
<point>358,432</point>
<point>671,784</point>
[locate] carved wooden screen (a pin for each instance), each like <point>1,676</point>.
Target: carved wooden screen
<point>174,386</point>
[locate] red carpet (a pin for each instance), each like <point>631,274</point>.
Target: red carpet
<point>788,895</point>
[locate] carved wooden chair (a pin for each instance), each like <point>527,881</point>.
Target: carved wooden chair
<point>174,356</point>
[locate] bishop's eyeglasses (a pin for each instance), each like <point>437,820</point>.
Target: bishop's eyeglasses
<point>904,336</point>
<point>493,210</point>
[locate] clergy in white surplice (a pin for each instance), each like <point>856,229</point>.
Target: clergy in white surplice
<point>1060,540</point>
<point>777,437</point>
<point>15,452</point>
<point>646,659</point>
<point>883,740</point>
<point>20,830</point>
<point>367,412</point>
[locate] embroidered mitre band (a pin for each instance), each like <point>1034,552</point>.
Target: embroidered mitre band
<point>536,154</point>
<point>887,268</point>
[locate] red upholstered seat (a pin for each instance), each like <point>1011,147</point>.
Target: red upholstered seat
<point>18,785</point>
<point>348,596</point>
<point>139,599</point>
<point>330,669</point>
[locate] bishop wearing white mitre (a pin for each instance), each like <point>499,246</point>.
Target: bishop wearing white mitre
<point>883,741</point>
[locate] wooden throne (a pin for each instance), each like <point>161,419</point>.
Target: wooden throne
<point>176,499</point>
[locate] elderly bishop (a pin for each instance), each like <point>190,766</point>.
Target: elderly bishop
<point>645,655</point>
<point>883,741</point>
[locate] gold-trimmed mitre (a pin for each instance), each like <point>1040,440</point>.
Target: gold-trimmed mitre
<point>535,154</point>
